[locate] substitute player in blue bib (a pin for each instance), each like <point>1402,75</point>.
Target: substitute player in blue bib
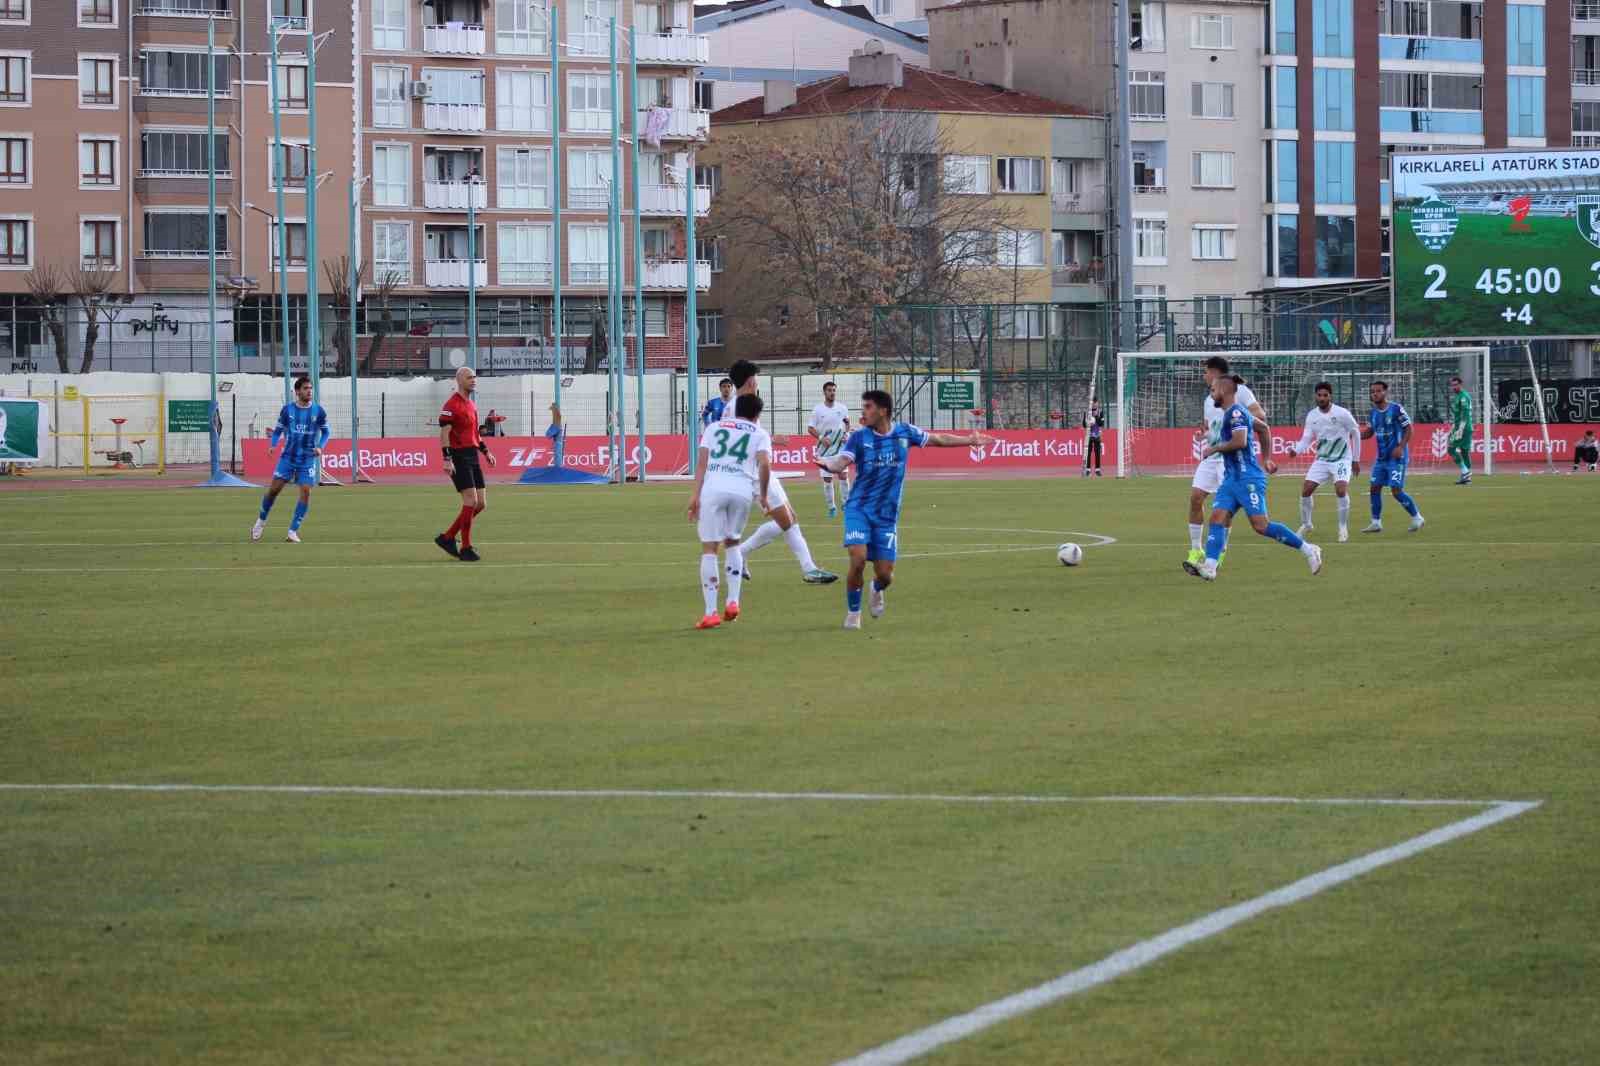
<point>1392,426</point>
<point>1244,483</point>
<point>303,429</point>
<point>878,451</point>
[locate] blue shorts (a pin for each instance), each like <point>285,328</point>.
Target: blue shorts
<point>1389,473</point>
<point>881,539</point>
<point>303,474</point>
<point>1250,496</point>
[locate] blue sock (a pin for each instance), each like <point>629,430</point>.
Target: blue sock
<point>266,505</point>
<point>1216,540</point>
<point>875,586</point>
<point>1377,506</point>
<point>852,600</point>
<point>300,510</point>
<point>1408,503</point>
<point>1283,534</point>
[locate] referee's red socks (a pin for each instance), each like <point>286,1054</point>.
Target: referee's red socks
<point>462,523</point>
<point>466,526</point>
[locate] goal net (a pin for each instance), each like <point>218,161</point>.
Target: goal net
<point>1160,398</point>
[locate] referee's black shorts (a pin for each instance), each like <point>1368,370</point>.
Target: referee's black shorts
<point>1585,455</point>
<point>468,475</point>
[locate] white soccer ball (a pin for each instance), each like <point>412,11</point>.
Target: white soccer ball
<point>1069,554</point>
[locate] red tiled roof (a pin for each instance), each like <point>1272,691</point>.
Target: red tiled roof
<point>923,90</point>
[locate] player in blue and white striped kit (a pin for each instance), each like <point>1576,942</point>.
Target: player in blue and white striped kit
<point>1244,483</point>
<point>303,429</point>
<point>878,451</point>
<point>1392,426</point>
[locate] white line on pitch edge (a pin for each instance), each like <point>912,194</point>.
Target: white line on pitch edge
<point>1145,952</point>
<point>721,794</point>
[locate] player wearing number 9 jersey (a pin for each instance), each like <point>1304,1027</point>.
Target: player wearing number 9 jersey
<point>1390,424</point>
<point>735,468</point>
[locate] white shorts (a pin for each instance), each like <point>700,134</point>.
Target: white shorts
<point>776,497</point>
<point>1322,471</point>
<point>722,516</point>
<point>1208,475</point>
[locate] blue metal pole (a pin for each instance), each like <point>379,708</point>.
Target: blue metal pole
<point>472,274</point>
<point>638,250</point>
<point>355,354</point>
<point>619,349</point>
<point>282,170</point>
<point>313,318</point>
<point>691,342</point>
<point>557,171</point>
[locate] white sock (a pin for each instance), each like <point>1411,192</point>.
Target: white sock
<point>1197,536</point>
<point>1305,510</point>
<point>735,573</point>
<point>827,491</point>
<point>1344,512</point>
<point>708,581</point>
<point>765,534</point>
<point>797,544</point>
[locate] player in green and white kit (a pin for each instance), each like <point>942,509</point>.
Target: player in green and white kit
<point>1461,430</point>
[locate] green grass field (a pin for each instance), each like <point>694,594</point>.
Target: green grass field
<point>145,641</point>
<point>1488,241</point>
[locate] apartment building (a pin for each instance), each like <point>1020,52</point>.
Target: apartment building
<point>461,103</point>
<point>104,141</point>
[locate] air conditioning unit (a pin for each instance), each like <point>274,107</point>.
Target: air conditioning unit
<point>420,90</point>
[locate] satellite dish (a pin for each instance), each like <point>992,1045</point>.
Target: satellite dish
<point>873,47</point>
<point>458,357</point>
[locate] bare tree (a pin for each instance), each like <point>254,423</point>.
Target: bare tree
<point>845,214</point>
<point>337,274</point>
<point>92,289</point>
<point>380,321</point>
<point>47,285</point>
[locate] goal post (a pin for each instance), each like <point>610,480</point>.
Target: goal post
<point>1160,397</point>
<point>123,432</point>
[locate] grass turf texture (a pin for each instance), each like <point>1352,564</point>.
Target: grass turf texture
<point>147,641</point>
<point>1488,241</point>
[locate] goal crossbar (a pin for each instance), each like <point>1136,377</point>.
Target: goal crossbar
<point>1331,358</point>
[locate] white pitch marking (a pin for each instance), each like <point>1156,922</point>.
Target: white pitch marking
<point>724,794</point>
<point>1145,952</point>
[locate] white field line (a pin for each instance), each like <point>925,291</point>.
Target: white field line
<point>727,794</point>
<point>1137,956</point>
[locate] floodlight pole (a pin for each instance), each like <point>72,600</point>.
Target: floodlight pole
<point>638,248</point>
<point>556,173</point>
<point>691,341</point>
<point>282,168</point>
<point>313,320</point>
<point>619,348</point>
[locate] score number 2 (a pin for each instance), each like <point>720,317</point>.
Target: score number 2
<point>1436,290</point>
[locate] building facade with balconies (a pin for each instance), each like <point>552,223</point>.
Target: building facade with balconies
<point>460,109</point>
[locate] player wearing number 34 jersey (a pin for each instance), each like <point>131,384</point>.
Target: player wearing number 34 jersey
<point>735,468</point>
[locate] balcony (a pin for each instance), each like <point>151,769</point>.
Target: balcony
<point>587,273</point>
<point>1583,11</point>
<point>454,39</point>
<point>452,273</point>
<point>670,200</point>
<point>674,124</point>
<point>454,118</point>
<point>182,8</point>
<point>674,274</point>
<point>690,49</point>
<point>452,195</point>
<point>588,198</point>
<point>1586,140</point>
<point>1150,190</point>
<point>525,273</point>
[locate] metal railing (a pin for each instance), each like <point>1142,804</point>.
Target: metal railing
<point>680,124</point>
<point>182,8</point>
<point>674,274</point>
<point>525,273</point>
<point>693,49</point>
<point>452,273</point>
<point>454,40</point>
<point>670,199</point>
<point>1585,76</point>
<point>452,195</point>
<point>454,118</point>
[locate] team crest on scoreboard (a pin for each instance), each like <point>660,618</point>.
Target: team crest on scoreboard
<point>1588,217</point>
<point>1434,223</point>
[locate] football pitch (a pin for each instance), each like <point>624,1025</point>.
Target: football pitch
<point>350,801</point>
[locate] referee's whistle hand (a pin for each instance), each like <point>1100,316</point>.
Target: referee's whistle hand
<point>489,456</point>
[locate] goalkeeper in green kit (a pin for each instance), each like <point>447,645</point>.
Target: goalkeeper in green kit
<point>1461,430</point>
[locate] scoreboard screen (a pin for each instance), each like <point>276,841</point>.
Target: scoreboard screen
<point>1491,245</point>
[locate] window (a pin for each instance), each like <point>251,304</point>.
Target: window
<point>1147,309</point>
<point>524,254</point>
<point>705,95</point>
<point>1020,248</point>
<point>1015,174</point>
<point>1332,28</point>
<point>1147,95</point>
<point>967,174</point>
<point>1211,31</point>
<point>657,242</point>
<point>1212,313</point>
<point>389,97</point>
<point>972,247</point>
<point>1335,172</point>
<point>709,250</point>
<point>1336,247</point>
<point>16,244</point>
<point>178,234</point>
<point>1283,16</point>
<point>97,162</point>
<point>97,12</point>
<point>14,161</point>
<point>14,11</point>
<point>708,328</point>
<point>1149,166</point>
<point>1286,164</point>
<point>524,177</point>
<point>521,28</point>
<point>1457,92</point>
<point>389,25</point>
<point>1288,237</point>
<point>588,180</point>
<point>292,86</point>
<point>1525,106</point>
<point>291,15</point>
<point>1150,241</point>
<point>181,74</point>
<point>179,153</point>
<point>391,175</point>
<point>97,81</point>
<point>296,233</point>
<point>588,102</point>
<point>1524,35</point>
<point>654,92</point>
<point>1214,242</point>
<point>1446,19</point>
<point>709,177</point>
<point>1211,99</point>
<point>586,254</point>
<point>655,317</point>
<point>1586,116</point>
<point>1213,170</point>
<point>1066,178</point>
<point>1022,322</point>
<point>454,86</point>
<point>1148,27</point>
<point>289,168</point>
<point>391,251</point>
<point>521,100</point>
<point>1333,94</point>
<point>14,84</point>
<point>97,244</point>
<point>1397,89</point>
<point>1285,109</point>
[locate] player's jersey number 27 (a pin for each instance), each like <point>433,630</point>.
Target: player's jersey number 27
<point>731,445</point>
